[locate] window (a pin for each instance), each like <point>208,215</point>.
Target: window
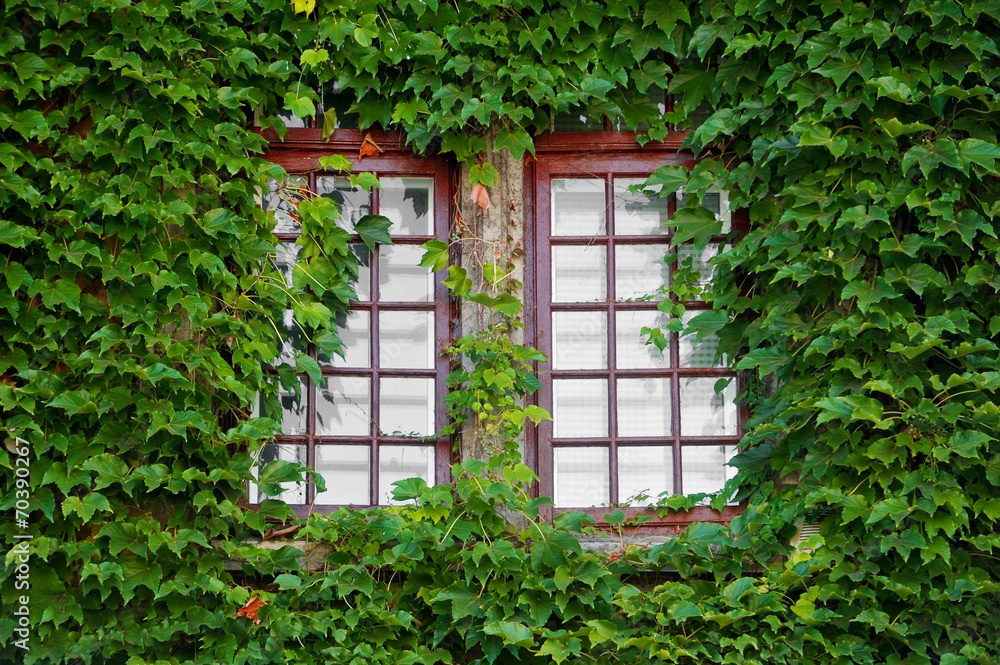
<point>373,419</point>
<point>627,418</point>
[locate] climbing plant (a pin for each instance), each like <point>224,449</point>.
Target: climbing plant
<point>139,303</point>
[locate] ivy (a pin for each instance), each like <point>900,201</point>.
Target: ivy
<point>140,303</point>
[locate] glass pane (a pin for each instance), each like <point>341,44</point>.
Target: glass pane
<point>578,208</point>
<point>402,462</point>
<point>717,202</point>
<point>575,121</point>
<point>400,277</point>
<point>579,408</point>
<point>638,214</point>
<point>346,470</point>
<point>631,349</point>
<point>406,339</point>
<point>285,256</point>
<point>355,336</point>
<point>688,258</point>
<point>579,274</point>
<point>406,407</point>
<point>285,452</point>
<point>295,340</point>
<point>579,340</point>
<point>648,470</point>
<point>293,411</point>
<point>644,407</point>
<point>343,407</point>
<point>580,477</point>
<point>703,468</point>
<point>354,202</point>
<point>282,199</point>
<point>703,413</point>
<point>363,287</point>
<point>640,271</point>
<point>408,202</point>
<point>701,354</point>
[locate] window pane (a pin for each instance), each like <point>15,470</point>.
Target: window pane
<point>631,349</point>
<point>354,202</point>
<point>579,408</point>
<point>295,340</point>
<point>285,452</point>
<point>402,462</point>
<point>701,354</point>
<point>690,259</point>
<point>638,214</point>
<point>406,339</point>
<point>644,407</point>
<point>293,411</point>
<point>343,407</point>
<point>579,340</point>
<point>640,270</point>
<point>581,477</point>
<point>578,208</point>
<point>285,256</point>
<point>363,287</point>
<point>575,121</point>
<point>355,335</point>
<point>346,470</point>
<point>281,199</point>
<point>408,202</point>
<point>406,406</point>
<point>400,277</point>
<point>704,469</point>
<point>579,274</point>
<point>648,470</point>
<point>703,413</point>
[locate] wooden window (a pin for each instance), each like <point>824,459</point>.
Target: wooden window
<point>627,418</point>
<point>373,419</point>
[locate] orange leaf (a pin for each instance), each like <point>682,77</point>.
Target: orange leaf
<point>249,611</point>
<point>369,148</point>
<point>481,196</point>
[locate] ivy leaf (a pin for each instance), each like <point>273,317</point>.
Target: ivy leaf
<point>512,632</point>
<point>277,472</point>
<point>977,151</point>
<point>110,469</point>
<point>86,507</point>
<point>696,223</point>
<point>457,281</point>
<point>602,630</point>
<point>435,255</point>
<point>75,402</point>
<point>15,235</point>
<point>517,141</point>
<point>670,176</point>
<point>374,230</point>
<point>300,107</point>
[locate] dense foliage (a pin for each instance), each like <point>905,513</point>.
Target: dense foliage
<point>139,295</point>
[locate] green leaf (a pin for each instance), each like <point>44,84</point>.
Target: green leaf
<point>517,141</point>
<point>75,402</point>
<point>512,632</point>
<point>684,610</point>
<point>977,151</point>
<point>15,235</point>
<point>374,230</point>
<point>300,107</point>
<point>110,469</point>
<point>435,255</point>
<point>671,177</point>
<point>86,507</point>
<point>696,223</point>
<point>602,630</point>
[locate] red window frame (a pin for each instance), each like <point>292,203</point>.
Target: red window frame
<point>299,154</point>
<point>605,155</point>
